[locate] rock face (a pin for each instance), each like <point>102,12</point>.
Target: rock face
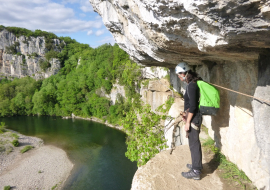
<point>26,62</point>
<point>154,72</point>
<point>156,32</point>
<point>228,43</point>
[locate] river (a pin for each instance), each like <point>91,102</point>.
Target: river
<point>97,151</point>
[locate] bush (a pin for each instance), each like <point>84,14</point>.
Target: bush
<point>16,44</point>
<point>7,187</point>
<point>26,148</point>
<point>51,54</point>
<point>34,54</point>
<point>11,50</point>
<point>2,127</point>
<point>15,143</point>
<point>44,64</point>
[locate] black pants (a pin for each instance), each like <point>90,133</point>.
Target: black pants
<point>195,148</point>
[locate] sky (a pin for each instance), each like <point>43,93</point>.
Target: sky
<point>74,18</point>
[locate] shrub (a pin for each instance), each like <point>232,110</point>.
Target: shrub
<point>7,187</point>
<point>15,143</point>
<point>51,54</point>
<point>2,127</point>
<point>11,49</point>
<point>34,54</point>
<point>17,44</point>
<point>15,135</point>
<point>44,64</point>
<point>26,148</point>
<point>62,45</point>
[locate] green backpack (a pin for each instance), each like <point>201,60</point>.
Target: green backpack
<point>209,98</point>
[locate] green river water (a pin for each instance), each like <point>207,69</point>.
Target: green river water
<point>97,151</point>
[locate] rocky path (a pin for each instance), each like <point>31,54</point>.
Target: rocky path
<point>164,172</point>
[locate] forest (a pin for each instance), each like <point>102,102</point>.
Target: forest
<point>72,90</point>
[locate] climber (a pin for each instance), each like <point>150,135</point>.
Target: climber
<point>193,119</point>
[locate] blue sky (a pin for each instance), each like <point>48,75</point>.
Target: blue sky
<point>74,18</point>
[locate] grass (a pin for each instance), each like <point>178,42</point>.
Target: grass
<point>15,143</point>
<point>9,149</point>
<point>15,135</point>
<point>54,187</point>
<point>229,170</point>
<point>7,187</point>
<point>204,129</point>
<point>26,148</point>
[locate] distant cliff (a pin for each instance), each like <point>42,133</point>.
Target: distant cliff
<point>22,56</point>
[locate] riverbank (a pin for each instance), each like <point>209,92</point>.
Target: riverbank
<point>42,167</point>
<point>95,119</point>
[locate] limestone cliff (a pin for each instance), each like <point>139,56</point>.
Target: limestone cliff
<point>22,56</point>
<point>228,43</point>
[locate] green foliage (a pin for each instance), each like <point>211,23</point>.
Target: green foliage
<point>16,96</point>
<point>54,187</point>
<point>15,136</point>
<point>204,128</point>
<point>145,136</point>
<point>25,32</point>
<point>168,77</point>
<point>34,54</point>
<point>44,64</point>
<point>51,54</point>
<point>15,143</point>
<point>2,127</point>
<point>2,28</point>
<point>26,148</point>
<point>209,142</point>
<point>11,49</point>
<point>7,187</point>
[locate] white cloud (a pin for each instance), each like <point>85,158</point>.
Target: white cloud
<point>82,15</point>
<point>107,39</point>
<point>100,32</point>
<point>89,32</point>
<point>45,15</point>
<point>86,9</point>
<point>98,17</point>
<point>86,6</point>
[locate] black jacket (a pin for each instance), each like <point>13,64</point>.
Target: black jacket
<point>191,105</point>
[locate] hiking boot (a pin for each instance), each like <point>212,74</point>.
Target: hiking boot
<point>191,175</point>
<point>189,166</point>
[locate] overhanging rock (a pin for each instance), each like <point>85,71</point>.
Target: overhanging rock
<point>162,33</point>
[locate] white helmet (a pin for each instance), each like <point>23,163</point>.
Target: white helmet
<point>182,67</point>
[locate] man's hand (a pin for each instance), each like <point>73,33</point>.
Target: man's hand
<point>187,126</point>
